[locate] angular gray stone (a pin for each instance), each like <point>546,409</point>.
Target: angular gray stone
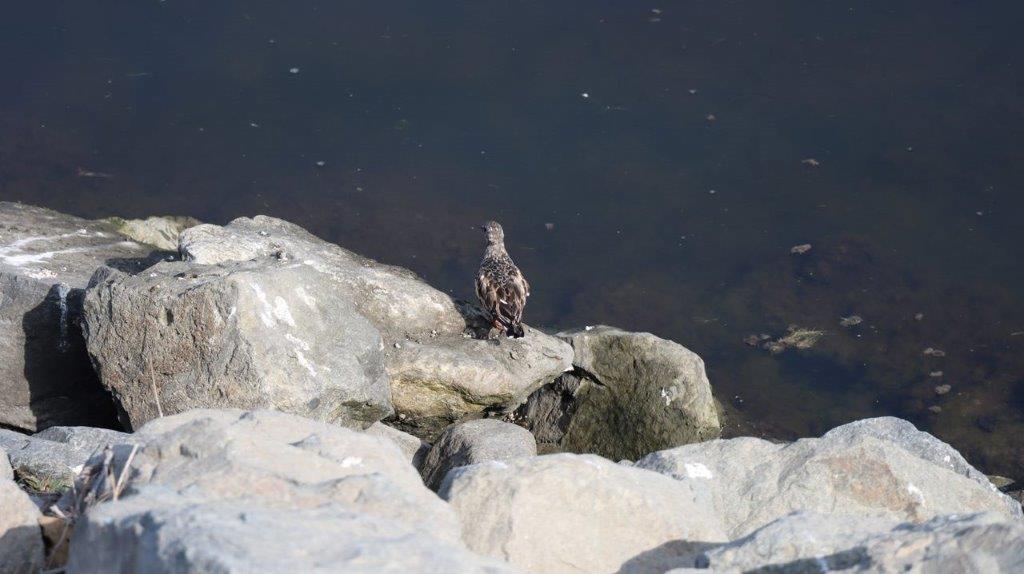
<point>440,381</point>
<point>439,370</point>
<point>579,513</point>
<point>50,460</point>
<point>810,542</point>
<point>161,232</point>
<point>157,531</point>
<point>631,394</point>
<point>415,449</point>
<point>268,333</point>
<point>863,469</point>
<point>274,459</point>
<point>474,442</point>
<point>46,259</point>
<point>21,540</point>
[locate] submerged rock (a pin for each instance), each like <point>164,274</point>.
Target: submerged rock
<point>46,260</point>
<point>259,334</point>
<point>474,442</point>
<point>579,513</point>
<point>877,467</point>
<point>631,394</point>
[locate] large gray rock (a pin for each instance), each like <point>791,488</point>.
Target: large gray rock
<point>157,531</point>
<point>440,372</point>
<point>6,472</point>
<point>394,299</point>
<point>579,513</point>
<point>21,540</point>
<point>50,460</point>
<point>414,448</point>
<point>474,442</point>
<point>46,259</point>
<point>811,542</point>
<point>265,491</point>
<point>269,333</point>
<point>275,459</point>
<point>878,468</point>
<point>631,394</point>
<point>443,380</point>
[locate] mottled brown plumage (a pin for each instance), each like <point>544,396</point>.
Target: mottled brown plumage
<point>500,285</point>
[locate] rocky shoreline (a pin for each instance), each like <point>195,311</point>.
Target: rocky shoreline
<point>256,399</point>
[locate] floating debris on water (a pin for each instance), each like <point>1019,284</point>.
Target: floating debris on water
<point>584,95</point>
<point>800,249</point>
<point>850,321</point>
<point>935,374</point>
<point>935,409</point>
<point>943,389</point>
<point>795,338</point>
<point>293,70</point>
<point>918,316</point>
<point>934,352</point>
<point>755,340</point>
<point>321,163</point>
<point>710,117</point>
<point>549,226</point>
<point>811,162</point>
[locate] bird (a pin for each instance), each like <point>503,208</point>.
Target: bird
<point>500,285</point>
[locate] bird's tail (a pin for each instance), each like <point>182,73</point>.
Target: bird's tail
<point>516,330</point>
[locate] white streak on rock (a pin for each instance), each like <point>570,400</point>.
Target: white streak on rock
<point>697,470</point>
<point>350,461</point>
<point>282,311</point>
<point>308,299</point>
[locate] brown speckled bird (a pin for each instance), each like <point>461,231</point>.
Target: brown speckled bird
<point>500,285</point>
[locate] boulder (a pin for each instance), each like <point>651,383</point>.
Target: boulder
<point>50,460</point>
<point>443,380</point>
<point>439,369</point>
<point>881,468</point>
<point>273,459</point>
<point>415,449</point>
<point>46,260</point>
<point>473,442</point>
<point>811,542</point>
<point>579,513</point>
<point>161,232</point>
<point>268,333</point>
<point>630,394</point>
<point>392,298</point>
<point>157,531</point>
<point>21,541</point>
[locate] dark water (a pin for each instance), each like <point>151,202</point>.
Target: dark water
<point>651,164</point>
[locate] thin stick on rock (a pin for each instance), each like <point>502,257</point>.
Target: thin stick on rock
<point>156,394</point>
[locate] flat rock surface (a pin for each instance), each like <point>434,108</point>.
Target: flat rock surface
<point>163,532</point>
<point>810,542</point>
